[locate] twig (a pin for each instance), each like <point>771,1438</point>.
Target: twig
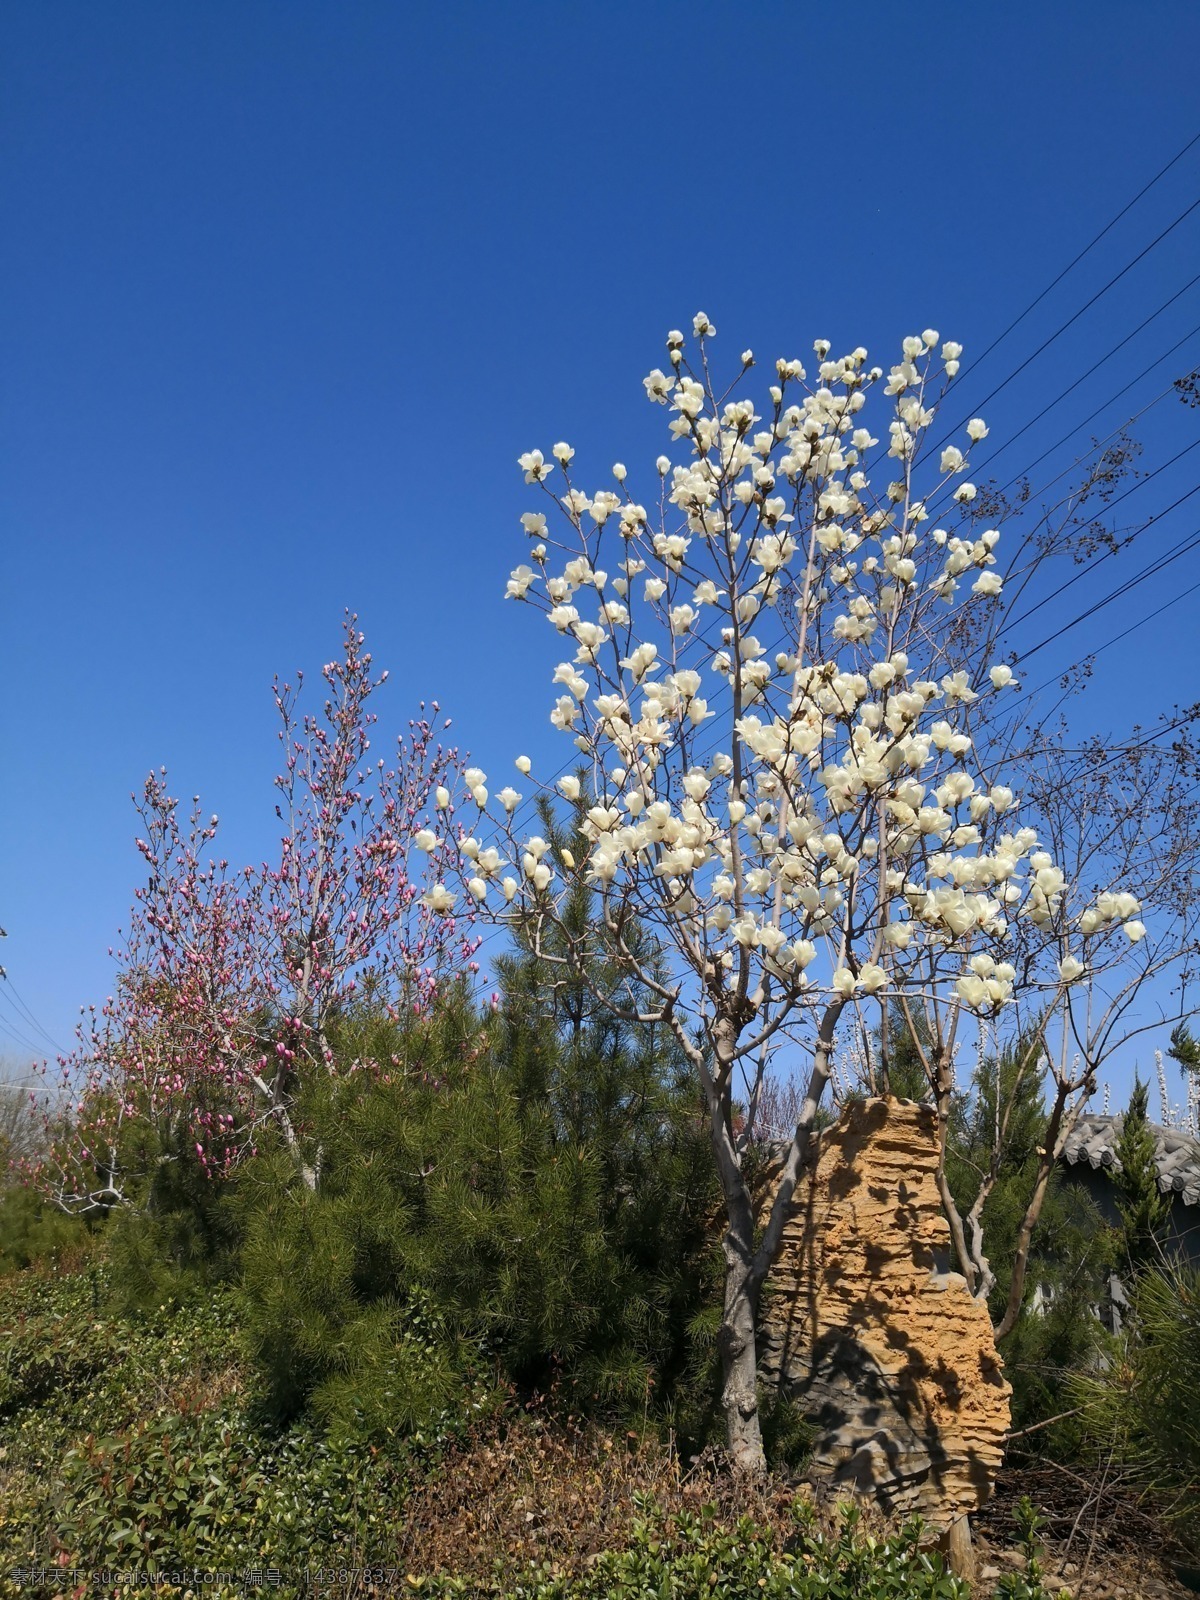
<point>1095,1523</point>
<point>1021,1433</point>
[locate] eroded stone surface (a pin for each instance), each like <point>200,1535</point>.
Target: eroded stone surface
<point>866,1327</point>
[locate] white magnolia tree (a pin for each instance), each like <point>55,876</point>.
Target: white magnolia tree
<point>775,673</point>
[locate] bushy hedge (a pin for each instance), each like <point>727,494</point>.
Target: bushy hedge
<point>693,1556</point>
<point>128,1443</point>
<point>538,1209</point>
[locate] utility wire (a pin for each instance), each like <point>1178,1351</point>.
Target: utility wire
<point>1070,322</point>
<point>24,1011</point>
<point>1124,389</point>
<point>1108,554</point>
<point>1071,265</point>
<point>1124,634</point>
<point>1150,571</point>
<point>1095,367</point>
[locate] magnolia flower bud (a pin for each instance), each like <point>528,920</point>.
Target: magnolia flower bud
<point>442,796</point>
<point>523,764</point>
<point>570,787</point>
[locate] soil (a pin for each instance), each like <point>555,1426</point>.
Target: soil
<point>1101,1540</point>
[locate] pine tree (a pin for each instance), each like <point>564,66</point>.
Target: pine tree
<point>1142,1205</point>
<point>530,1187</point>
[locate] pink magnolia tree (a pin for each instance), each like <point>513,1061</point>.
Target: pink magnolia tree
<point>229,981</point>
<point>803,761</point>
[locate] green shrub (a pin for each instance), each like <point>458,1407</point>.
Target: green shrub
<point>1027,1585</point>
<point>1145,1404</point>
<point>32,1230</point>
<point>127,1442</point>
<point>688,1557</point>
<point>539,1203</point>
<point>180,1235</point>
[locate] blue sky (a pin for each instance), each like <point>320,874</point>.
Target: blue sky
<point>287,288</point>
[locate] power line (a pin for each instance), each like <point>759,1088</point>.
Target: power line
<point>18,1038</point>
<point>1070,322</point>
<point>1124,634</point>
<point>1150,571</point>
<point>27,1015</point>
<point>1108,554</point>
<point>1124,389</point>
<point>1095,367</point>
<point>1071,265</point>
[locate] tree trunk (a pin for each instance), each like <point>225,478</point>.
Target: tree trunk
<point>738,1342</point>
<point>960,1553</point>
<point>738,1338</point>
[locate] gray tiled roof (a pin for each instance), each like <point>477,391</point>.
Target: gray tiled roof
<point>1094,1139</point>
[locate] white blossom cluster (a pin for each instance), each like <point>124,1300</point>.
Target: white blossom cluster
<point>761,680</point>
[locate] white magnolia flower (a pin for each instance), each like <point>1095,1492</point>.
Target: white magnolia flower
<point>533,464</point>
<point>523,764</point>
<point>442,797</point>
<point>658,387</point>
<point>570,787</point>
<point>426,840</point>
<point>1070,970</point>
<point>973,989</point>
<point>1135,931</point>
<point>509,799</point>
<point>518,583</point>
<point>438,899</point>
<point>977,429</point>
